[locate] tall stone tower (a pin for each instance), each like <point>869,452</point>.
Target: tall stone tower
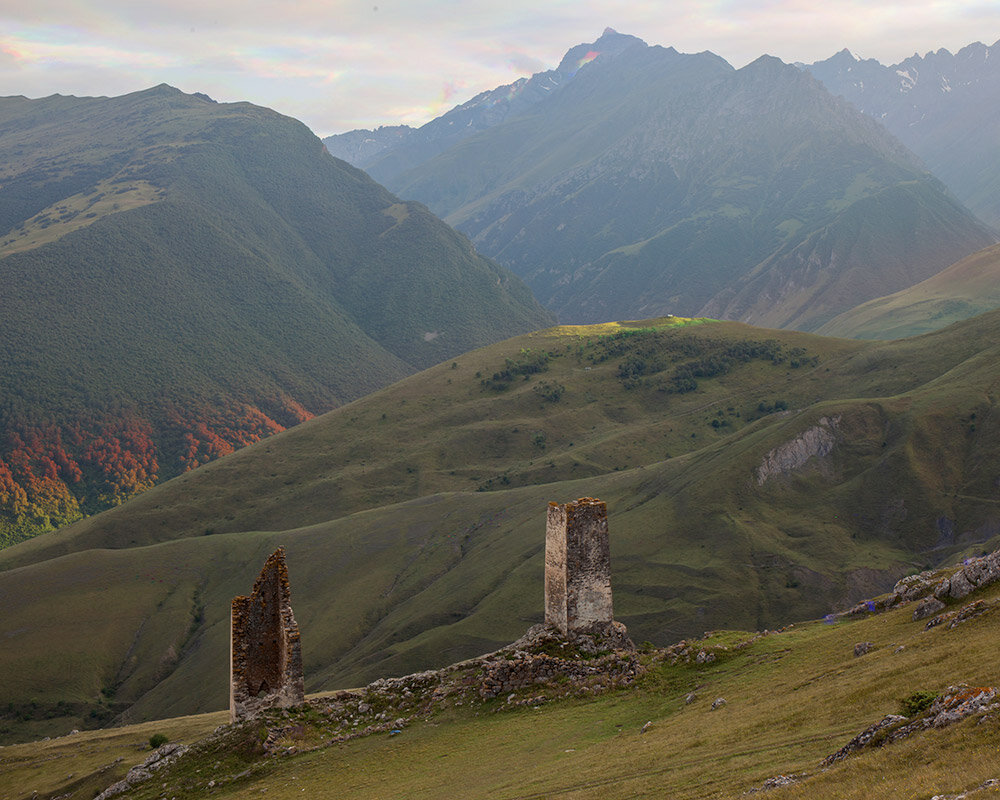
<point>265,652</point>
<point>578,567</point>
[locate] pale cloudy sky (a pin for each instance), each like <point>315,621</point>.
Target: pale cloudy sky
<point>343,64</point>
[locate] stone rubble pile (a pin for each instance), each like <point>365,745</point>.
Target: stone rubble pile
<point>550,663</point>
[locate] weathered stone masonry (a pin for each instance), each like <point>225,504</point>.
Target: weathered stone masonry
<point>578,567</point>
<point>265,650</point>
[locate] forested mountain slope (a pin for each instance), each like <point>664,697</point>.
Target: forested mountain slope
<point>181,277</point>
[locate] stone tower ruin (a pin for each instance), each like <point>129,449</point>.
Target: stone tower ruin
<point>265,651</point>
<point>578,567</point>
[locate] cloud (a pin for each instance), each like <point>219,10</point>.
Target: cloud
<point>347,63</point>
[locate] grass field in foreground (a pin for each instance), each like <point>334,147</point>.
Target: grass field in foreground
<point>792,697</point>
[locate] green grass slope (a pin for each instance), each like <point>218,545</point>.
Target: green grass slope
<point>183,277</point>
<point>967,288</point>
<point>792,698</point>
<point>752,477</point>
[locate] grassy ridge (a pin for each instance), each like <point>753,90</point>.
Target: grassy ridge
<point>210,275</point>
<point>412,518</point>
<point>792,698</point>
<point>965,289</point>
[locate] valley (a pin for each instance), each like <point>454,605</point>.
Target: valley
<point>411,517</point>
<point>754,311</point>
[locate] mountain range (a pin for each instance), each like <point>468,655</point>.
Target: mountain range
<point>649,181</point>
<point>181,277</point>
<point>931,102</point>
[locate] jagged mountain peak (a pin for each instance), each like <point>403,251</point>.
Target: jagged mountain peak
<point>386,152</point>
<point>844,55</point>
<point>610,43</point>
<point>931,102</point>
<point>766,62</point>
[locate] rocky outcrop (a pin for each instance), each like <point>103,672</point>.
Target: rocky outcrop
<point>815,442</point>
<point>964,614</point>
<point>934,588</point>
<point>161,757</point>
<point>955,704</point>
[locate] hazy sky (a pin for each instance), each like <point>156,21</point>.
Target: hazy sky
<point>341,64</point>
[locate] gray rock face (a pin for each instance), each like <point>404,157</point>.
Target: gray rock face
<point>816,442</point>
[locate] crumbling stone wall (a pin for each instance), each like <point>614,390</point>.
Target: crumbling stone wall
<point>578,566</point>
<point>265,650</point>
<point>501,676</point>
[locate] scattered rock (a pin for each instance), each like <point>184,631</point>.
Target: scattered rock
<point>646,727</point>
<point>866,737</point>
<point>775,782</point>
<point>718,702</point>
<point>861,648</point>
<point>927,607</point>
<point>690,698</point>
<point>941,584</point>
<point>965,613</point>
<point>992,784</point>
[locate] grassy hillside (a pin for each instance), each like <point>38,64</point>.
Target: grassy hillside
<point>753,477</point>
<point>182,277</point>
<point>792,698</point>
<point>967,288</point>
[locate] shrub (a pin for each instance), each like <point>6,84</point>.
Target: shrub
<point>917,703</point>
<point>549,391</point>
<point>157,739</point>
